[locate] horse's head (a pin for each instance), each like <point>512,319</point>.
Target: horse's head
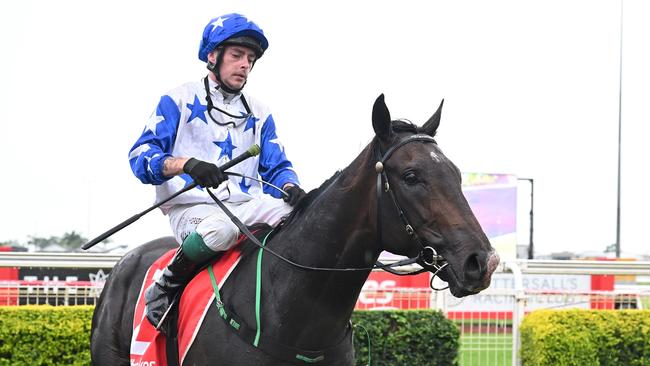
<point>422,205</point>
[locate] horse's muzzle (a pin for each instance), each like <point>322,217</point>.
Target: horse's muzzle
<point>476,274</point>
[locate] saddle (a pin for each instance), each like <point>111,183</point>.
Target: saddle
<point>184,320</point>
<point>169,348</point>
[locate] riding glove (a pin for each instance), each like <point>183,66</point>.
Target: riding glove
<point>204,174</point>
<point>294,195</point>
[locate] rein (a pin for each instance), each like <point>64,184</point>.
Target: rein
<point>255,241</point>
<point>428,257</point>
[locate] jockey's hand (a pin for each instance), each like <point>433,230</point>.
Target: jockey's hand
<point>204,174</point>
<point>294,195</point>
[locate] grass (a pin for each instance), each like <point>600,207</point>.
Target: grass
<point>485,349</point>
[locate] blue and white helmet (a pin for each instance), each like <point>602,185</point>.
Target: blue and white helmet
<point>232,29</point>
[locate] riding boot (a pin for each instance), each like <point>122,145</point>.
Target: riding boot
<point>187,260</point>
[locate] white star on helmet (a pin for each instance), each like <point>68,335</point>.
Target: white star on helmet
<point>218,23</point>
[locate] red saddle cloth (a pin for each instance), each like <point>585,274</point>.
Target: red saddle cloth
<point>148,346</point>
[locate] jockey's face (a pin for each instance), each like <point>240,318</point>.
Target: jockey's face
<point>236,64</point>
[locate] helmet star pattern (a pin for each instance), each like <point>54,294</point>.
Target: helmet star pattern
<point>218,23</point>
<point>228,26</point>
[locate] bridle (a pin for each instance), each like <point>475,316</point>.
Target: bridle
<point>427,256</point>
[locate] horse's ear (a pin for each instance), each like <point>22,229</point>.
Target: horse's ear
<point>432,124</point>
<point>381,119</point>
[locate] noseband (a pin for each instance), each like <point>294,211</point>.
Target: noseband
<point>427,257</point>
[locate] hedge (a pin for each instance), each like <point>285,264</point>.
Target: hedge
<point>586,337</point>
<point>405,338</point>
<point>49,335</point>
<point>45,335</point>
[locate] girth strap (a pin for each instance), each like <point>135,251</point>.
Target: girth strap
<point>275,349</point>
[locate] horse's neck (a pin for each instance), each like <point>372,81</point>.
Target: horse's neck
<point>335,231</point>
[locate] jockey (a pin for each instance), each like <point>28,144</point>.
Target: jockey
<point>197,127</point>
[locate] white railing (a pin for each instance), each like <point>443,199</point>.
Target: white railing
<point>58,260</point>
<point>56,293</point>
<point>639,268</point>
<point>489,322</point>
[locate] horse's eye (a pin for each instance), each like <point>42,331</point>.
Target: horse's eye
<point>410,178</point>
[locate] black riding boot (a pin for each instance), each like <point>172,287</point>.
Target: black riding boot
<point>160,295</point>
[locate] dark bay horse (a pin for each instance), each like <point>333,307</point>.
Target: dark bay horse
<point>401,194</point>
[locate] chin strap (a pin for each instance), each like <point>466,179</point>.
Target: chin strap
<point>214,67</point>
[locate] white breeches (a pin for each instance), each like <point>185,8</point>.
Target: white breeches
<point>217,230</point>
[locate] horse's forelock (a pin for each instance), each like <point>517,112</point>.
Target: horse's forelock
<point>403,125</point>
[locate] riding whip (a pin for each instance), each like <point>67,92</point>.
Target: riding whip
<point>252,151</point>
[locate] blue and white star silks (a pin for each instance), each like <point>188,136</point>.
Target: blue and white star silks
<point>250,123</point>
<point>148,159</point>
<point>198,110</point>
<point>188,180</point>
<point>243,186</point>
<point>226,147</point>
<point>277,142</point>
<point>153,122</point>
<point>175,130</point>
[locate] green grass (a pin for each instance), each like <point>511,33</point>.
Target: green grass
<point>486,322</point>
<point>485,350</point>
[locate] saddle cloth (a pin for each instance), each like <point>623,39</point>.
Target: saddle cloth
<point>148,346</point>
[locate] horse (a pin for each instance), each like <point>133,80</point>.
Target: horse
<point>400,194</point>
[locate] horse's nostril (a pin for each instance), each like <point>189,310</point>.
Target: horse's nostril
<point>473,269</point>
<point>493,262</point>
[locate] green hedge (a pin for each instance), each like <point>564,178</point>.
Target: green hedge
<point>405,338</point>
<point>586,337</point>
<point>47,335</point>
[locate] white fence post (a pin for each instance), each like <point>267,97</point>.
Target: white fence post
<point>518,311</point>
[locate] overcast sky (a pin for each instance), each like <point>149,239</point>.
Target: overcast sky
<point>530,88</point>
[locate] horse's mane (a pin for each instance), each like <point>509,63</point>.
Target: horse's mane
<point>398,126</point>
<point>309,198</point>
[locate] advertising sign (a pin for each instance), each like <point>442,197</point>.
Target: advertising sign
<point>556,292</point>
<point>379,292</point>
<point>493,199</point>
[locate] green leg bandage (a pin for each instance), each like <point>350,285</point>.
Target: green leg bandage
<point>195,249</point>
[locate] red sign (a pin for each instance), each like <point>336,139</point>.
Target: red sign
<point>383,290</point>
